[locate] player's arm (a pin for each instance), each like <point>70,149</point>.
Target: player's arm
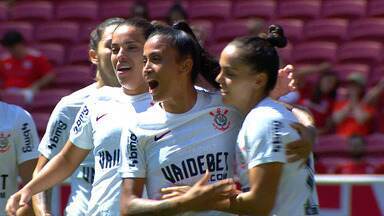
<point>199,197</point>
<point>55,137</point>
<point>260,199</point>
<point>55,171</point>
<point>285,83</point>
<point>41,202</point>
<point>25,173</point>
<point>264,163</point>
<point>61,166</point>
<point>301,148</point>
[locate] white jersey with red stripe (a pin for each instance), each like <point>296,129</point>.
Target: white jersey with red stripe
<point>18,144</point>
<point>98,128</point>
<point>176,149</point>
<point>262,139</point>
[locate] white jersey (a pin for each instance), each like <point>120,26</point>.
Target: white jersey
<point>262,139</point>
<point>176,149</point>
<point>98,127</point>
<point>54,139</point>
<point>18,143</point>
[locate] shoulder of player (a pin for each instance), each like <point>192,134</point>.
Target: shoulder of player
<point>18,113</point>
<point>263,115</point>
<point>106,93</point>
<point>75,99</point>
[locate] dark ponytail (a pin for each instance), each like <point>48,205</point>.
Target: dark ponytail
<point>276,36</point>
<point>185,42</point>
<point>260,54</point>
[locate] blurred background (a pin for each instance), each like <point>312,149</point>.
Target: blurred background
<point>336,47</point>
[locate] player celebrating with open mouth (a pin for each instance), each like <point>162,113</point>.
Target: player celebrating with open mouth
<point>185,135</point>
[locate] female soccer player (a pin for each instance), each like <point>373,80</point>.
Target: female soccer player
<point>18,151</point>
<point>98,126</point>
<point>63,117</point>
<point>270,185</point>
<point>184,135</point>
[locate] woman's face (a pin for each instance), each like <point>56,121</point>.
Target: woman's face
<point>237,81</point>
<point>103,52</point>
<point>162,68</point>
<point>127,58</point>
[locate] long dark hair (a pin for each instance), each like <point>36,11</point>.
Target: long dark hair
<point>185,42</point>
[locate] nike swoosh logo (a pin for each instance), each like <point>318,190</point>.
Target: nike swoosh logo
<point>99,117</point>
<point>157,138</point>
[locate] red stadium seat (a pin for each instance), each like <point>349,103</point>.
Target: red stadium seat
<point>73,76</point>
<point>41,121</point>
<point>314,52</point>
<point>158,10</point>
<point>249,9</point>
<point>365,52</point>
<point>300,9</point>
<point>85,30</point>
<point>77,10</point>
<point>78,54</point>
<point>375,8</point>
<point>326,30</point>
<point>25,28</point>
<point>343,70</point>
<point>344,8</point>
<point>205,29</point>
<point>376,75</point>
<point>115,9</point>
<point>331,144</point>
<point>215,9</point>
<point>54,52</point>
<point>62,32</point>
<point>227,31</point>
<point>293,28</point>
<point>46,100</point>
<point>215,49</point>
<point>3,11</point>
<point>13,98</point>
<point>32,10</point>
<point>285,54</point>
<point>375,144</point>
<point>369,29</point>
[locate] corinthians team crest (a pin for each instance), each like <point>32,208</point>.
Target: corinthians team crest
<point>220,119</point>
<point>4,142</point>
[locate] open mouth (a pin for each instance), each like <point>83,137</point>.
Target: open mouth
<point>124,68</point>
<point>153,84</point>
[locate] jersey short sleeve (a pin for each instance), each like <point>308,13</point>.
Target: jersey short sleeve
<point>26,139</point>
<point>57,131</point>
<point>81,131</point>
<point>133,163</point>
<point>263,138</point>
